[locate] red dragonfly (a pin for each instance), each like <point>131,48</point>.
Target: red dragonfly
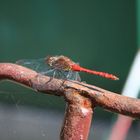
<point>61,67</point>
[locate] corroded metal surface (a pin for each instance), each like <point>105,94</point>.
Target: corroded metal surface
<point>77,118</point>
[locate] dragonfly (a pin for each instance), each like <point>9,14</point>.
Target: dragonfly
<point>61,67</point>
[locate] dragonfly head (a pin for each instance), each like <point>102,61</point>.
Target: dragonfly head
<point>50,60</point>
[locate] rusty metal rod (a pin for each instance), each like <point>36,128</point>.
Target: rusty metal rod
<point>100,97</point>
<point>78,117</point>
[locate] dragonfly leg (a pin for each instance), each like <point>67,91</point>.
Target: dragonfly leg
<point>54,74</point>
<point>77,77</point>
<point>31,82</point>
<point>73,76</point>
<point>69,75</point>
<point>51,77</point>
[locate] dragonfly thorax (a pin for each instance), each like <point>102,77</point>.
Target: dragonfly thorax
<point>60,62</point>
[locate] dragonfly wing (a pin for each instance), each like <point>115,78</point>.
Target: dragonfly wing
<point>77,76</point>
<point>41,66</point>
<point>71,75</point>
<point>38,65</point>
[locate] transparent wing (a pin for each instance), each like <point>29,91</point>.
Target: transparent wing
<point>38,65</point>
<point>72,75</point>
<point>78,77</point>
<point>41,66</point>
<point>75,76</point>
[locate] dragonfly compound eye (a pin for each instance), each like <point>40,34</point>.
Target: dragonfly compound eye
<point>51,60</point>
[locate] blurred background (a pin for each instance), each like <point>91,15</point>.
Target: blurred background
<point>100,35</point>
